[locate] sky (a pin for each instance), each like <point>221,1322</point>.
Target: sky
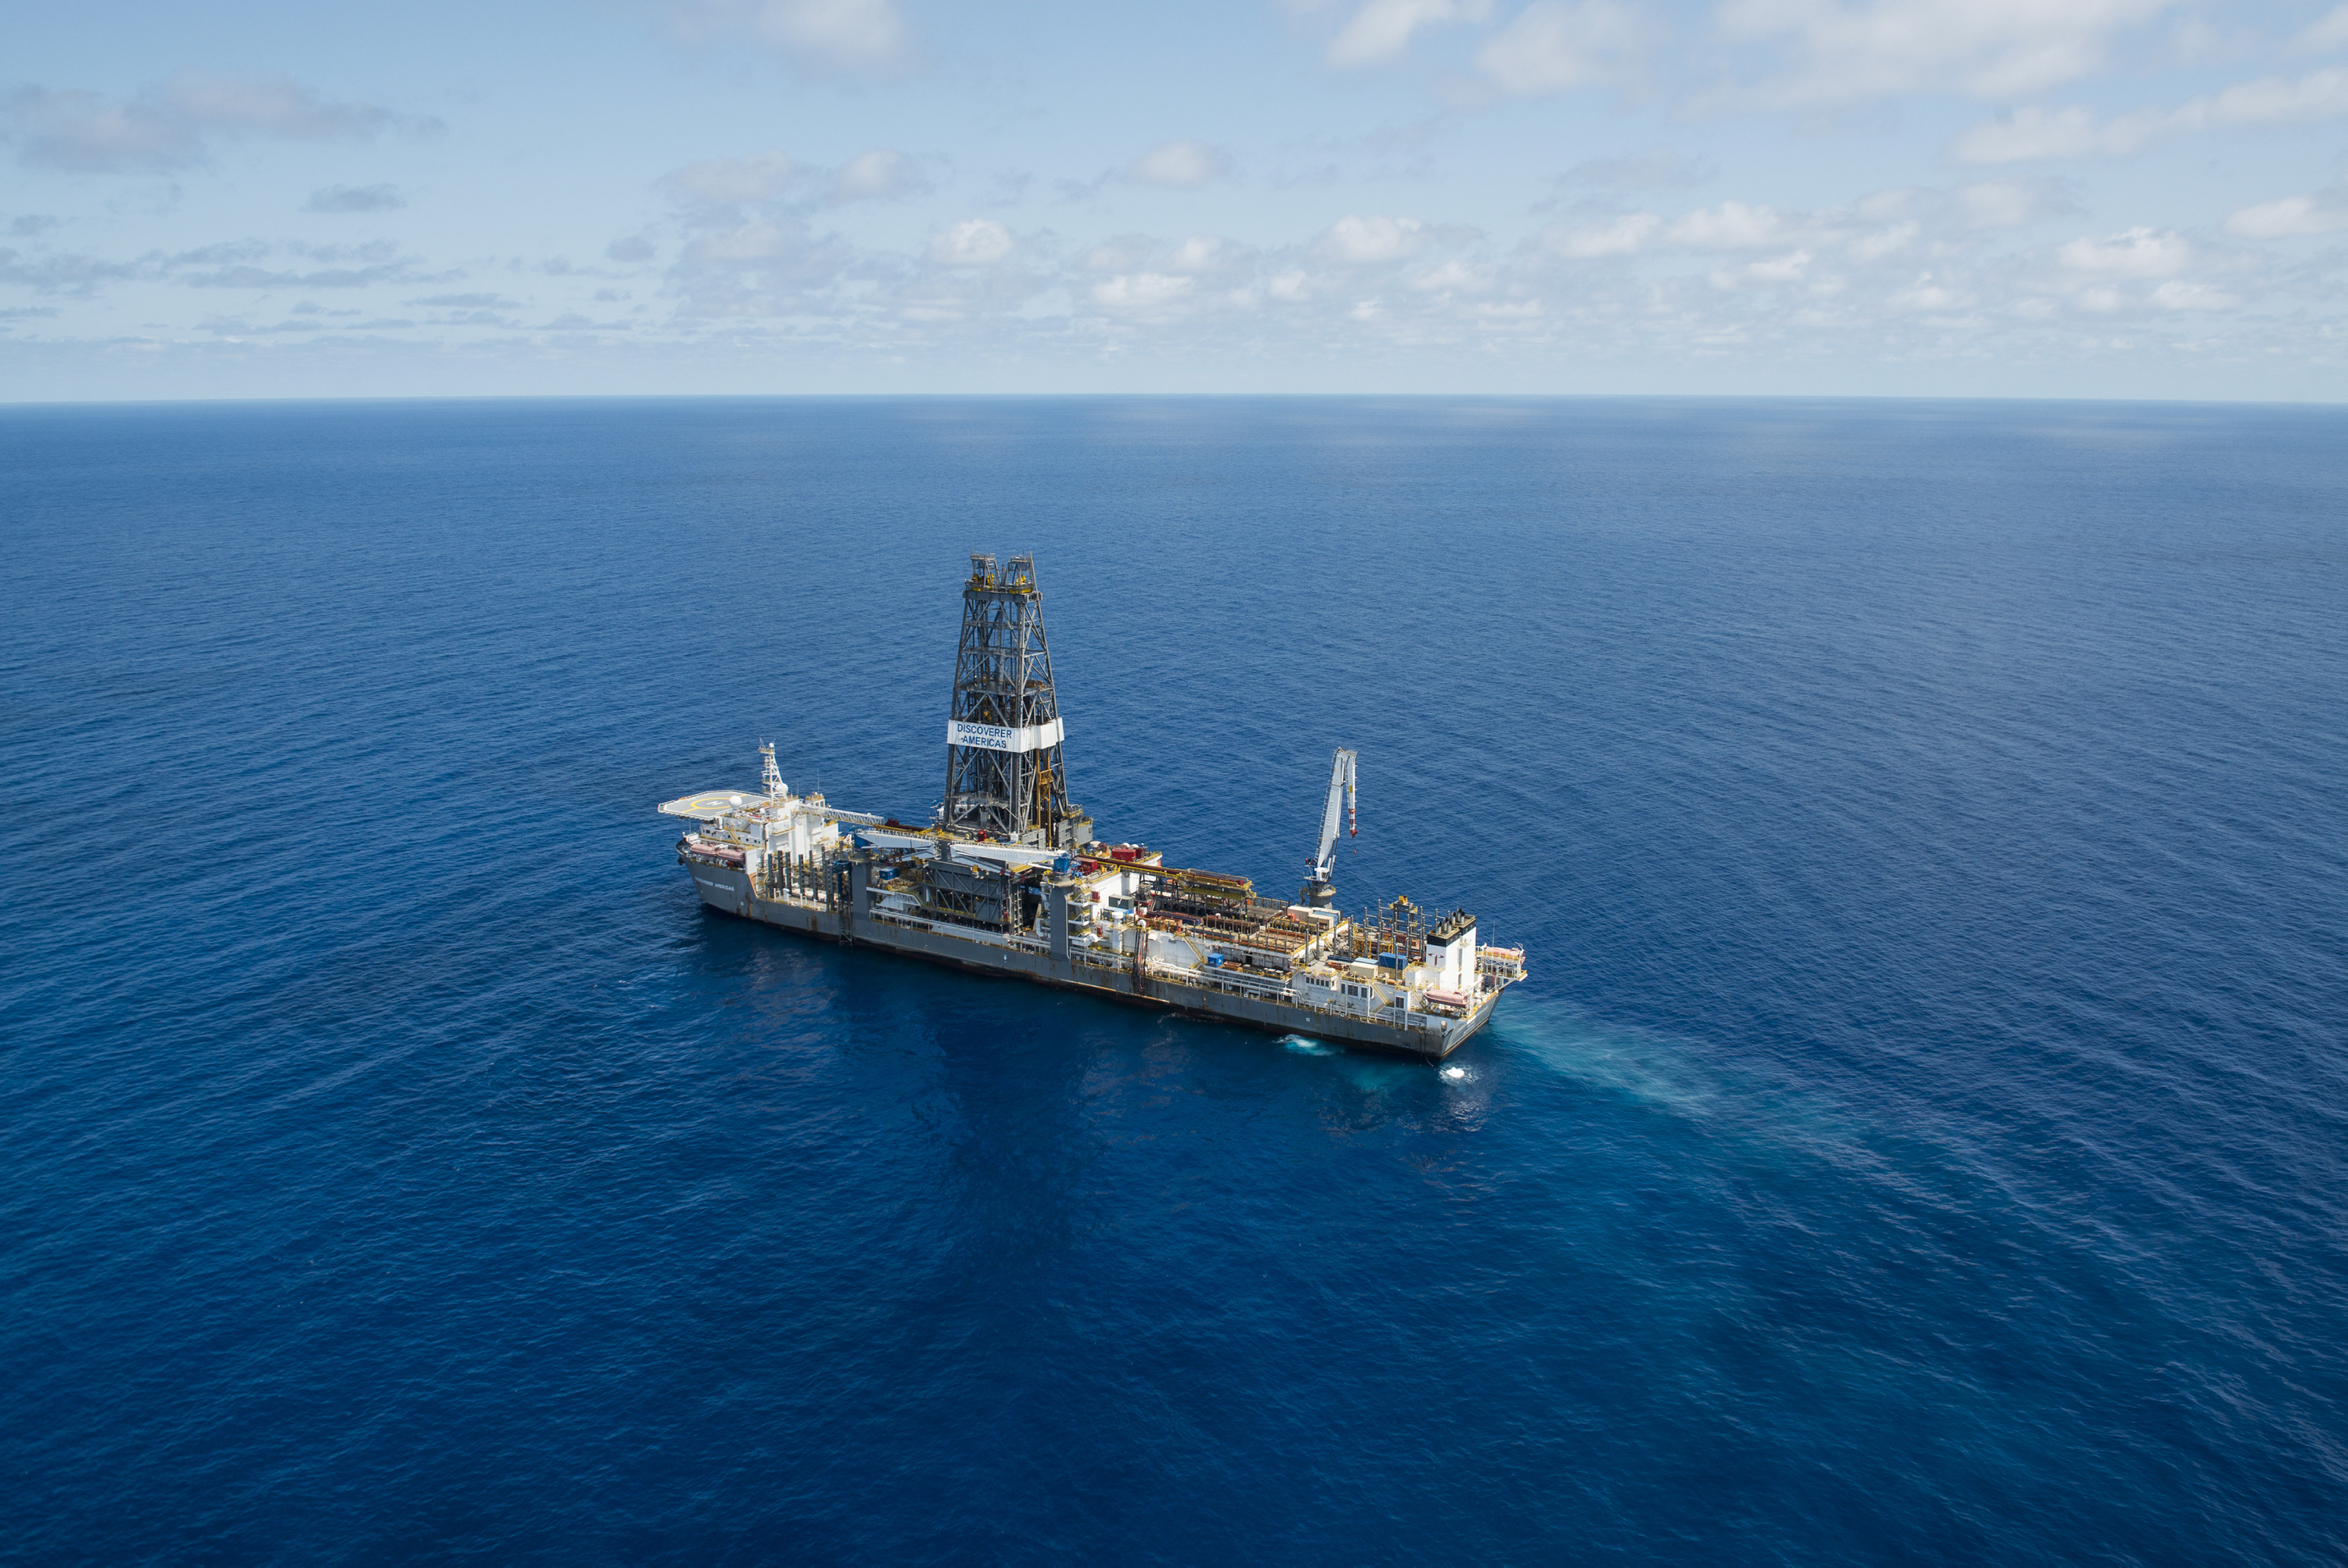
<point>1918,198</point>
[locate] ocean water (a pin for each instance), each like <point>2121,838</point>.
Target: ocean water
<point>1924,1137</point>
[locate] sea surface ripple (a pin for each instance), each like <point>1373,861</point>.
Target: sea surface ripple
<point>1924,1138</point>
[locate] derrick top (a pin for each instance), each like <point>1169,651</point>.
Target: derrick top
<point>1018,577</point>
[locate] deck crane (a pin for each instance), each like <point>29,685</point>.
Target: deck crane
<point>1318,892</point>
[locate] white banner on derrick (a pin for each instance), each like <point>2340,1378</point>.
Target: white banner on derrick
<point>995,738</point>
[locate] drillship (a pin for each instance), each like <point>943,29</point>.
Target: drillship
<point>1008,877</point>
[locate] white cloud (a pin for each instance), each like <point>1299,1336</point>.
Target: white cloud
<point>2032,134</point>
<point>1731,226</point>
<point>269,105</point>
<point>1885,276</point>
<point>833,35</point>
<point>1622,236</point>
<point>849,32</point>
<point>879,175</point>
<point>1926,295</point>
<point>2331,32</point>
<point>1888,242</point>
<point>1455,276</point>
<point>1769,274</point>
<point>2289,216</point>
<point>1366,239</point>
<point>1992,48</point>
<point>1734,226</point>
<point>2138,253</point>
<point>1183,165</point>
<point>973,242</point>
<point>767,266</point>
<point>2179,296</point>
<point>1381,29</point>
<point>725,181</point>
<point>1887,205</point>
<point>169,125</point>
<point>1553,46</point>
<point>1143,294</point>
<point>1207,253</point>
<point>2009,203</point>
<point>1198,255</point>
<point>2272,100</point>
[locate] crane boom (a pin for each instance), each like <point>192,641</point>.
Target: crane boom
<point>1318,892</point>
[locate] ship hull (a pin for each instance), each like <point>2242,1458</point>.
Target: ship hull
<point>1428,1036</point>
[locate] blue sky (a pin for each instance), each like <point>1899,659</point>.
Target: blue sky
<point>2004,198</point>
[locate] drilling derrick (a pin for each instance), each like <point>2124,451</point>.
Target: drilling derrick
<point>1003,771</point>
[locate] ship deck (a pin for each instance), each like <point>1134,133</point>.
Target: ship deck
<point>1428,1037</point>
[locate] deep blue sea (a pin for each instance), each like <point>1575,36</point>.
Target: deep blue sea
<point>1924,1138</point>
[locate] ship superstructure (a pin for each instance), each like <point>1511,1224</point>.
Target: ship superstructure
<point>1008,877</point>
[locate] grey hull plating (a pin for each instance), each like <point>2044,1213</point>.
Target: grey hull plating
<point>1429,1037</point>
